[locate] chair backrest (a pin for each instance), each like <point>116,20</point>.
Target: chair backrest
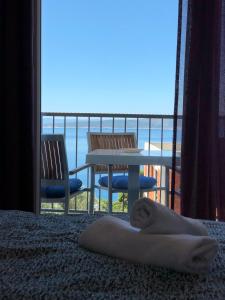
<point>111,141</point>
<point>54,164</point>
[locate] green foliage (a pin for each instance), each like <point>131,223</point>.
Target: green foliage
<point>80,203</point>
<point>103,205</point>
<point>58,206</point>
<point>119,207</point>
<point>141,172</point>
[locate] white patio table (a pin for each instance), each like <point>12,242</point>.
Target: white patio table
<point>133,160</point>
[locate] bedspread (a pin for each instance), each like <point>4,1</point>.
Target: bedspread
<point>40,259</point>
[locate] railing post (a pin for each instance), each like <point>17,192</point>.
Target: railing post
<point>167,185</point>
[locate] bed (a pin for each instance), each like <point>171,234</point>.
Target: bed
<point>40,259</point>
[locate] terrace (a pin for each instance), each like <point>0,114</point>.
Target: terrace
<point>154,134</point>
<point>104,59</point>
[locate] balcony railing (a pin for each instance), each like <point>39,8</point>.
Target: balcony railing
<point>153,132</point>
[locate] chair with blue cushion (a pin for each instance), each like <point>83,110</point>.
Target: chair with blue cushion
<point>119,182</point>
<point>56,186</point>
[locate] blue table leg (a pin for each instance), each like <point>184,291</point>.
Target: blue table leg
<point>133,185</point>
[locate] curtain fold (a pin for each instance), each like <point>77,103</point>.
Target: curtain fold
<point>20,105</point>
<point>203,111</point>
<point>221,119</point>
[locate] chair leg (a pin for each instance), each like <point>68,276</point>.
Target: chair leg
<point>110,189</point>
<point>67,197</point>
<point>92,193</point>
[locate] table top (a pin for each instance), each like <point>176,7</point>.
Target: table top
<point>106,157</point>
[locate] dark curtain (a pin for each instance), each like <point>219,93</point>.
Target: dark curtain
<point>203,111</point>
<point>20,104</point>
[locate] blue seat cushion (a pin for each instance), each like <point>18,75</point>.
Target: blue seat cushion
<point>121,182</point>
<point>58,191</point>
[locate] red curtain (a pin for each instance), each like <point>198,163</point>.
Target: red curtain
<point>203,110</point>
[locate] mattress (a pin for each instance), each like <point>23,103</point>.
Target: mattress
<point>40,259</point>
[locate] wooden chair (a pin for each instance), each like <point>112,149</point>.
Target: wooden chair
<point>119,183</point>
<point>56,186</point>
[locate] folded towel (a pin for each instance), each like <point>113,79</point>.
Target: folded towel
<point>117,238</point>
<point>155,218</point>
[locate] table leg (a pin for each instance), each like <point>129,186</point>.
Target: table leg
<point>133,185</point>
<point>92,193</point>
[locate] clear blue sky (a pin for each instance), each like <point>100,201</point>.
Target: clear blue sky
<point>113,56</point>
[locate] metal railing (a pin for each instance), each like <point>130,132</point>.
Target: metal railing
<point>153,132</point>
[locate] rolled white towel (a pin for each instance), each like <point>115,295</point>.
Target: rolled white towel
<point>117,238</point>
<point>152,217</point>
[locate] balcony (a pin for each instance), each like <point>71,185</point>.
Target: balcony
<point>153,133</point>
